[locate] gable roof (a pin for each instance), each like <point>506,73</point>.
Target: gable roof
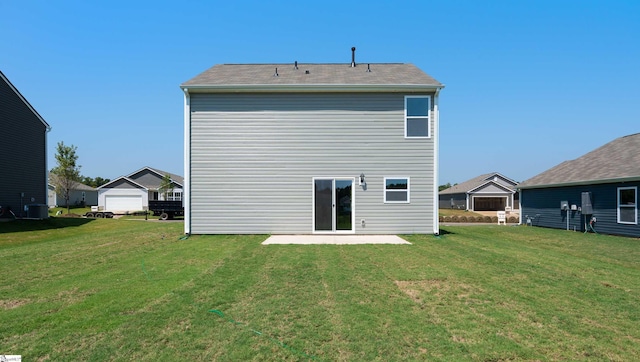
<point>618,160</point>
<point>24,100</point>
<point>312,77</point>
<point>175,178</point>
<point>478,182</point>
<point>125,179</point>
<point>78,186</point>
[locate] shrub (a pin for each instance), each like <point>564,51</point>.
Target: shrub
<point>441,218</point>
<point>487,219</point>
<point>462,218</point>
<point>454,218</point>
<point>512,220</point>
<point>494,219</point>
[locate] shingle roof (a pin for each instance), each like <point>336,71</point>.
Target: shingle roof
<point>313,74</point>
<point>617,160</point>
<point>77,186</point>
<point>468,185</point>
<point>175,178</point>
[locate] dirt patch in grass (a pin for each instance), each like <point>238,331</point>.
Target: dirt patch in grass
<point>13,303</point>
<point>438,288</point>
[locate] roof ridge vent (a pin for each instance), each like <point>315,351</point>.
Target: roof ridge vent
<point>353,57</point>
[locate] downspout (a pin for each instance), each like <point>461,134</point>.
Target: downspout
<point>436,158</point>
<point>46,170</point>
<point>186,195</point>
<point>520,205</point>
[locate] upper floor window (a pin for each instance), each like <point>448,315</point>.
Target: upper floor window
<point>416,116</point>
<point>627,205</point>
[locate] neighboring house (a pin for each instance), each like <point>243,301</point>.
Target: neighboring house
<point>133,192</point>
<point>311,148</point>
<point>489,192</point>
<point>602,184</point>
<point>80,195</point>
<point>23,164</point>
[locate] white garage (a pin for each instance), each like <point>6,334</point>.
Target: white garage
<point>133,192</point>
<point>123,202</point>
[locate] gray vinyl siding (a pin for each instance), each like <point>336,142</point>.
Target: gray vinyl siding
<point>254,157</point>
<point>543,207</point>
<point>23,161</point>
<point>122,184</point>
<point>147,178</point>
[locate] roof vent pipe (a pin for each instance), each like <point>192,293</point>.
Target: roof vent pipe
<point>295,65</point>
<point>276,73</point>
<point>353,57</point>
<point>368,68</point>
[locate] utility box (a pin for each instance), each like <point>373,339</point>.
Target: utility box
<point>587,207</point>
<point>37,211</point>
<point>564,205</point>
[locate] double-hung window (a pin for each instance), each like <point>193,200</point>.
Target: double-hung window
<point>396,190</point>
<point>174,196</point>
<point>627,205</point>
<point>416,116</point>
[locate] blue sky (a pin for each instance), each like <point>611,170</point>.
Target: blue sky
<point>529,84</point>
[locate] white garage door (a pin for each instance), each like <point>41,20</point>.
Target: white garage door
<point>123,202</point>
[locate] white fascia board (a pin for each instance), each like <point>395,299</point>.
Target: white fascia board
<point>491,182</point>
<point>123,178</point>
<point>309,88</point>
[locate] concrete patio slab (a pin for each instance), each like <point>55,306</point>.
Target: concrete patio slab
<point>334,239</point>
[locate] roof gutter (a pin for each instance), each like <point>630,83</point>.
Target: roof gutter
<point>581,183</point>
<point>309,88</point>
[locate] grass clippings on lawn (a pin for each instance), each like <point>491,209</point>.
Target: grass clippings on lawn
<point>133,290</point>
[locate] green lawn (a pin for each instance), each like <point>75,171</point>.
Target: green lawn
<point>77,289</point>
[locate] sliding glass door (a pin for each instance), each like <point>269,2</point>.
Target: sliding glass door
<point>333,205</point>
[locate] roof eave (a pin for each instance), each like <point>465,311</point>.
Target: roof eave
<point>310,88</point>
<point>581,183</point>
<point>26,102</point>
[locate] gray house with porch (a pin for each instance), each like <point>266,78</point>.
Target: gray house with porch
<point>488,192</point>
<point>311,148</point>
<point>597,191</point>
<point>23,164</point>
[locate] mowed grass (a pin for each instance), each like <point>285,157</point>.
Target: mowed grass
<point>73,289</point>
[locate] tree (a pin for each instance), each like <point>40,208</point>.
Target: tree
<point>444,187</point>
<point>166,186</point>
<point>94,182</point>
<point>67,172</point>
<point>99,181</point>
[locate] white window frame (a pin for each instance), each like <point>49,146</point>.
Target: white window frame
<point>427,117</point>
<point>408,190</point>
<point>174,196</point>
<point>634,206</point>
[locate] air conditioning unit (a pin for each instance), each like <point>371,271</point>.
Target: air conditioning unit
<point>37,211</point>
